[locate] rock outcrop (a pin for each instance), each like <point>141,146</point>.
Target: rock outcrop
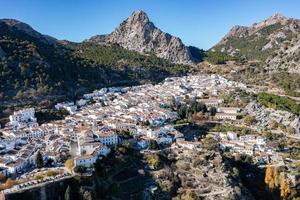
<point>275,41</point>
<point>244,31</point>
<point>287,57</point>
<point>138,33</point>
<point>264,116</point>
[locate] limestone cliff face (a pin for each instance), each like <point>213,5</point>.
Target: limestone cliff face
<point>138,33</point>
<point>245,31</point>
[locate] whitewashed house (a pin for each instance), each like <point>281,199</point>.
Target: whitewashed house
<point>25,116</point>
<point>229,110</point>
<point>232,135</point>
<point>85,160</point>
<point>151,134</point>
<point>69,106</point>
<point>107,137</point>
<point>225,116</point>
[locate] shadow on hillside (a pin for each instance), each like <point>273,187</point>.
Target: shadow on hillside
<point>252,178</point>
<point>121,175</point>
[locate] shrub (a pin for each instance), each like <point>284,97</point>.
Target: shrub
<point>279,102</point>
<point>39,176</point>
<point>216,57</point>
<point>52,173</point>
<point>290,130</point>
<point>249,120</point>
<point>153,145</point>
<point>153,161</point>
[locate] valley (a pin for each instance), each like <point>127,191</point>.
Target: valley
<point>137,114</point>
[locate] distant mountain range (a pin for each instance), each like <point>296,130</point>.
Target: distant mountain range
<point>275,41</point>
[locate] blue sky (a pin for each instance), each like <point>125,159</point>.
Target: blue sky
<point>197,22</point>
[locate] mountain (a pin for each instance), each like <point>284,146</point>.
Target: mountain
<point>17,26</point>
<point>274,41</point>
<point>34,66</point>
<point>138,33</point>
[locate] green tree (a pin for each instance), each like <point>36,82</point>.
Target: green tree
<point>212,111</point>
<point>126,134</point>
<point>249,120</point>
<point>217,57</point>
<point>80,169</point>
<point>153,145</point>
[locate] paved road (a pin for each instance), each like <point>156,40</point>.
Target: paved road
<point>16,188</point>
<point>211,193</point>
<point>214,193</point>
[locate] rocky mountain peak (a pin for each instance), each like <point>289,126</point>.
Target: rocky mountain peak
<point>235,31</point>
<point>138,17</point>
<point>274,41</point>
<point>139,34</point>
<point>274,19</point>
<point>20,26</point>
<point>243,31</point>
<point>277,17</point>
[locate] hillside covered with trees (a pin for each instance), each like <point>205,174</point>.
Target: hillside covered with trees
<point>37,70</point>
<point>31,67</point>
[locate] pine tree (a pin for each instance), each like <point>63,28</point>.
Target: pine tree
<point>212,111</point>
<point>39,160</point>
